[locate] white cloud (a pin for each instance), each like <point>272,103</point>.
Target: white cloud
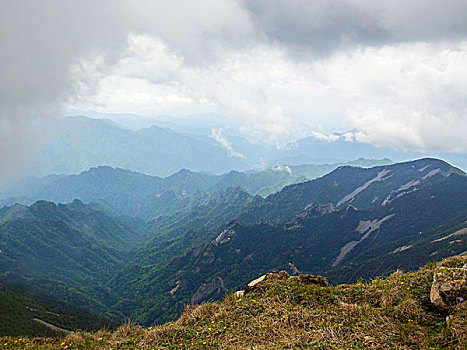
<point>395,70</point>
<point>217,134</point>
<point>323,137</point>
<point>408,96</point>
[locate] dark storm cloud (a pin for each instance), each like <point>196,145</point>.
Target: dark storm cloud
<point>49,50</point>
<point>330,25</point>
<point>319,26</point>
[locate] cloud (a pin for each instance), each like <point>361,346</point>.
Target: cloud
<point>395,69</point>
<point>407,96</point>
<point>324,27</point>
<point>54,52</point>
<point>217,135</point>
<point>323,137</point>
<point>43,45</point>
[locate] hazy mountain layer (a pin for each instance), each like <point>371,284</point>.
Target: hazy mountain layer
<point>80,143</point>
<point>134,194</point>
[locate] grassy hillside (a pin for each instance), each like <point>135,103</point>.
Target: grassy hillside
<point>24,309</point>
<point>389,313</point>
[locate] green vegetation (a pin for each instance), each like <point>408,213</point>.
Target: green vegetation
<point>21,308</point>
<point>309,242</point>
<point>123,192</point>
<point>186,253</point>
<point>384,313</point>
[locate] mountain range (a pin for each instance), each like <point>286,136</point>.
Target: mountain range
<point>135,194</point>
<point>344,221</point>
<point>212,143</point>
<point>351,223</point>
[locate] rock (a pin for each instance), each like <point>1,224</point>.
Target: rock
<point>448,319</point>
<point>449,286</point>
<point>261,283</point>
<point>239,293</point>
<point>293,269</point>
<point>312,279</point>
<point>208,291</point>
<point>368,339</point>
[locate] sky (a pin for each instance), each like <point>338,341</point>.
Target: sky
<point>393,72</point>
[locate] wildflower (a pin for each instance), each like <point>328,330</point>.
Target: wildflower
<point>460,299</point>
<point>209,329</point>
<point>100,338</point>
<point>212,321</point>
<point>149,328</point>
<point>254,300</point>
<point>402,282</point>
<point>62,344</point>
<point>204,343</point>
<point>410,320</point>
<point>172,324</point>
<point>225,327</point>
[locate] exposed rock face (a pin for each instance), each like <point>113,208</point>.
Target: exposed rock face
<point>365,228</point>
<point>449,286</point>
<point>207,291</point>
<point>310,211</point>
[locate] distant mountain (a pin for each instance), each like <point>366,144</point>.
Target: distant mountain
<point>134,194</point>
<point>362,188</point>
<point>261,183</point>
<point>313,171</point>
<point>343,147</point>
<point>80,143</point>
<point>126,192</point>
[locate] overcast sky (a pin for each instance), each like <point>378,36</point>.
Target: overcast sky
<point>395,71</point>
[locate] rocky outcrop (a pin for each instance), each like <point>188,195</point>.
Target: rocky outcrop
<point>209,291</point>
<point>449,286</point>
<point>263,282</point>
